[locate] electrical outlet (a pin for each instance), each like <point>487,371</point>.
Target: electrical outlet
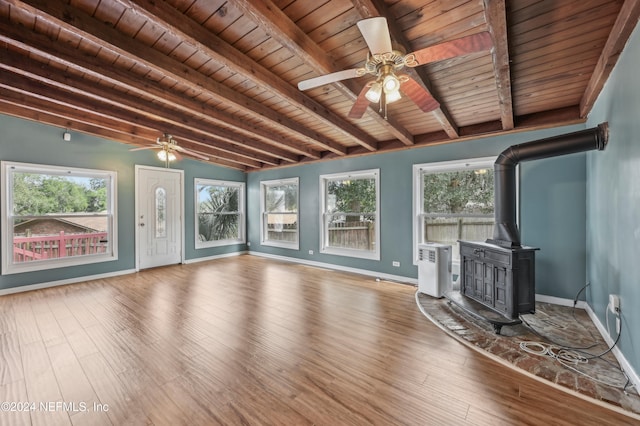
<point>248,243</point>
<point>310,251</point>
<point>395,263</point>
<point>614,303</point>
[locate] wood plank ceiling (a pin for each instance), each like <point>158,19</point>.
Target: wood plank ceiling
<point>221,76</point>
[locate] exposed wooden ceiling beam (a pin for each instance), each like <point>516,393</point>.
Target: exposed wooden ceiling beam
<point>275,22</point>
<point>22,66</point>
<point>68,56</point>
<point>24,106</point>
<point>373,8</point>
<point>226,55</point>
<point>625,23</point>
<point>92,106</point>
<point>95,31</point>
<point>496,16</point>
<point>131,69</point>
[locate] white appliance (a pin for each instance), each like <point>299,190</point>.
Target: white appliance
<point>434,269</point>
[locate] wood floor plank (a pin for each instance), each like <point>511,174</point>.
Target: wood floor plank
<point>28,331</point>
<point>111,392</point>
<point>119,357</point>
<point>73,383</point>
<point>7,317</point>
<point>10,358</point>
<point>41,383</point>
<point>47,324</point>
<point>81,343</point>
<point>91,417</point>
<point>249,340</point>
<point>75,303</point>
<point>158,407</point>
<point>14,392</point>
<point>207,404</point>
<point>42,386</point>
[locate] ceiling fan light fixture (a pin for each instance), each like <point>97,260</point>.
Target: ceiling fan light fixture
<point>392,96</point>
<point>374,93</point>
<point>390,84</point>
<point>163,155</point>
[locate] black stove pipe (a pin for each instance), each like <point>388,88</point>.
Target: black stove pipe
<point>505,232</point>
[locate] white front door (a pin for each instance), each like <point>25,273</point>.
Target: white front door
<point>159,215</point>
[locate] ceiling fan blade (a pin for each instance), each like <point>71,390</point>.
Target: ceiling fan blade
<point>376,34</point>
<point>361,104</point>
<point>189,152</point>
<point>450,49</point>
<point>419,95</point>
<point>146,147</point>
<point>329,78</point>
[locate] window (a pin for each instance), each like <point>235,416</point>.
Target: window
<point>279,225</point>
<point>56,216</point>
<point>160,210</point>
<point>219,213</point>
<point>453,201</point>
<point>350,220</point>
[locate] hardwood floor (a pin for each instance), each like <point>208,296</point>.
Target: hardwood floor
<point>247,340</point>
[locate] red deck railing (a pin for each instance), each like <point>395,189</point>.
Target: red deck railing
<point>26,249</point>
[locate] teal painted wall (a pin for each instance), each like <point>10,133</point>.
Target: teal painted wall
<point>29,142</point>
<point>552,212</point>
<point>613,202</point>
<point>552,190</point>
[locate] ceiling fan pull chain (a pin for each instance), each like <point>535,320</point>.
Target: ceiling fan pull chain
<point>383,99</point>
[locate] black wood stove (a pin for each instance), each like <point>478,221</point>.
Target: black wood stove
<point>500,273</point>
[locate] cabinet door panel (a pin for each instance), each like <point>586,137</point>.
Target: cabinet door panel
<point>501,292</point>
<point>487,294</point>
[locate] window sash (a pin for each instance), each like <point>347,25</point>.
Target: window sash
<point>421,216</point>
<point>337,236</point>
<point>69,239</point>
<point>201,241</point>
<point>283,233</point>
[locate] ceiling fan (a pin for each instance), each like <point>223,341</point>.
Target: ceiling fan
<point>169,150</point>
<point>384,63</point>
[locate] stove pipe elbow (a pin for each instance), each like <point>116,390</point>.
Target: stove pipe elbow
<point>505,232</point>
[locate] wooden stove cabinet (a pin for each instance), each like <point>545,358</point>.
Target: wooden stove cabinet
<point>502,279</point>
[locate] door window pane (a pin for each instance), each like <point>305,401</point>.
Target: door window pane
<point>161,212</point>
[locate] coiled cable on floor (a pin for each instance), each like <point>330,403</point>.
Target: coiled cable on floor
<point>568,358</point>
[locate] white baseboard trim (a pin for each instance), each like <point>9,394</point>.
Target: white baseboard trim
<point>380,275</point>
<point>628,369</point>
<point>39,286</point>
<point>21,289</point>
<point>560,301</point>
<point>217,256</point>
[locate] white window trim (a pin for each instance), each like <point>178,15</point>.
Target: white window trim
<point>375,254</point>
<point>418,189</point>
<point>241,212</point>
<point>8,267</point>
<point>294,245</point>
